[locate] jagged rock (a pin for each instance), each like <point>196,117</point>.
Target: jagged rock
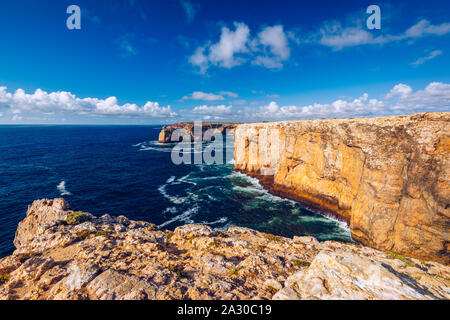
<point>388,177</point>
<point>351,276</point>
<point>116,258</point>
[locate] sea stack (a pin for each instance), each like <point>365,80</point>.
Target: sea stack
<point>165,136</point>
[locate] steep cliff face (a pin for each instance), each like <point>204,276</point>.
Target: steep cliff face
<point>62,254</point>
<point>388,177</point>
<point>165,136</point>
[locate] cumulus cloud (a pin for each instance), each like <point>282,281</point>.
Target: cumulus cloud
<point>435,97</point>
<point>231,43</point>
<point>429,57</point>
<point>401,99</point>
<point>66,102</point>
<point>200,60</point>
<point>198,95</point>
<point>400,90</point>
<point>270,48</point>
<point>275,46</point>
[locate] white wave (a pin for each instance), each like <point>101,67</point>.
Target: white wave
<point>185,179</point>
<point>173,199</point>
<point>154,145</point>
<point>62,189</point>
<point>225,227</point>
<point>155,149</point>
<point>221,220</point>
<point>170,210</point>
<point>171,179</point>
<point>257,187</point>
<point>184,217</point>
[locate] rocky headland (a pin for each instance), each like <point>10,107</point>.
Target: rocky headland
<point>66,254</point>
<point>389,178</point>
<point>165,136</point>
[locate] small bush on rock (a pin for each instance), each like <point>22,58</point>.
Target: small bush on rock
<point>77,217</point>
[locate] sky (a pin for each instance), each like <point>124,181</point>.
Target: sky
<point>160,62</point>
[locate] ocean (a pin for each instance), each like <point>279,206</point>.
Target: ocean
<point>123,170</point>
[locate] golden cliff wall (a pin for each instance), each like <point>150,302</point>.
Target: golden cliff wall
<point>388,177</point>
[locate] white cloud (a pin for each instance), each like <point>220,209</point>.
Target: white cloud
<point>424,27</point>
<point>229,94</point>
<point>429,57</point>
<point>270,48</point>
<point>400,90</point>
<point>401,99</point>
<point>198,95</point>
<point>212,110</point>
<point>276,47</point>
<point>435,97</point>
<point>231,42</point>
<point>66,102</point>
<point>200,60</point>
<point>334,34</point>
<point>240,102</point>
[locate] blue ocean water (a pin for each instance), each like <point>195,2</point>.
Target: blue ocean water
<point>123,170</point>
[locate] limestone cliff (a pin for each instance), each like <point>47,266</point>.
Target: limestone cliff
<point>388,177</point>
<point>65,254</point>
<point>165,136</point>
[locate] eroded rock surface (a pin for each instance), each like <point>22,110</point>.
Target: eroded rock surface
<point>388,177</point>
<point>62,254</point>
<point>165,136</point>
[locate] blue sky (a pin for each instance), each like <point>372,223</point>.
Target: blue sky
<point>145,62</point>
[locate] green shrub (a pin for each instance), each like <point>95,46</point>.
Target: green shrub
<point>82,235</point>
<point>3,277</point>
<point>271,237</point>
<point>105,233</point>
<point>77,217</point>
<point>402,258</point>
<point>300,263</point>
<point>235,271</point>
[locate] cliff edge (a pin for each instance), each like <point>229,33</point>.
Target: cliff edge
<point>66,254</point>
<point>388,177</point>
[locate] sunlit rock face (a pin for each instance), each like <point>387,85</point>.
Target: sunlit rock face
<point>65,254</point>
<point>195,134</point>
<point>388,177</point>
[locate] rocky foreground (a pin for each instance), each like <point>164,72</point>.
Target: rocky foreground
<point>65,254</point>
